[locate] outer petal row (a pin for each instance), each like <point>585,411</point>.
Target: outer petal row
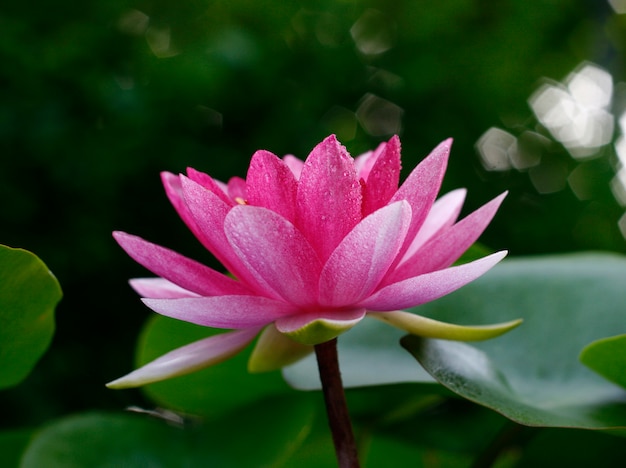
<point>236,312</point>
<point>425,288</point>
<point>178,269</point>
<point>190,358</point>
<point>445,248</point>
<point>444,213</point>
<point>159,288</point>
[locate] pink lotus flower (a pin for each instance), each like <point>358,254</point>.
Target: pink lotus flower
<point>315,246</point>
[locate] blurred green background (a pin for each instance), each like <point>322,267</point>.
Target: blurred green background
<point>97,98</point>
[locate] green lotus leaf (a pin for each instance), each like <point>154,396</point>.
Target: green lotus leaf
<point>164,439</point>
<point>532,375</point>
<point>29,293</point>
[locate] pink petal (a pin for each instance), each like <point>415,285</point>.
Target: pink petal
<point>444,249</point>
<point>224,188</point>
<point>444,213</point>
<point>178,269</point>
<point>362,259</point>
<point>272,185</point>
<point>209,213</point>
<point>218,188</point>
<point>159,288</point>
<point>190,358</point>
<point>364,162</point>
<point>275,251</point>
<point>174,189</point>
<point>294,164</point>
<point>237,189</point>
<point>174,192</point>
<point>425,288</point>
<point>235,312</point>
<point>329,197</point>
<point>382,180</point>
<point>421,187</point>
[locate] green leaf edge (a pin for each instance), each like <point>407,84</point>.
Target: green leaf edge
<point>46,318</point>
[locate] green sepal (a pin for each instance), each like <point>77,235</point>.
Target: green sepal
<point>430,328</point>
<point>274,350</point>
<point>320,330</point>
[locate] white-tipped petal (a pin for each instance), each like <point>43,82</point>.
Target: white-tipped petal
<point>189,358</point>
<point>159,288</point>
<point>428,287</point>
<point>363,257</point>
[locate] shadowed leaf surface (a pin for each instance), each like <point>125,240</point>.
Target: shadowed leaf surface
<point>532,375</point>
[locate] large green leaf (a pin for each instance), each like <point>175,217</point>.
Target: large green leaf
<point>258,435</point>
<point>209,392</point>
<point>608,358</point>
<point>532,375</point>
<point>29,292</point>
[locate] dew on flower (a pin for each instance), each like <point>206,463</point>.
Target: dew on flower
<point>312,257</point>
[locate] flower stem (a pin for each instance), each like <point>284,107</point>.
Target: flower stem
<point>336,407</point>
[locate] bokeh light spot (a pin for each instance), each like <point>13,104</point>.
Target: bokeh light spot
<point>378,116</point>
<point>576,112</point>
<point>495,147</point>
<point>619,6</point>
<point>159,40</point>
<point>371,33</point>
<point>549,176</point>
